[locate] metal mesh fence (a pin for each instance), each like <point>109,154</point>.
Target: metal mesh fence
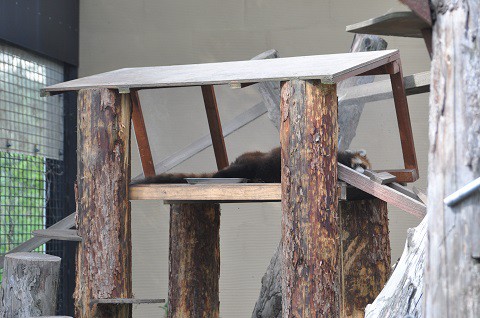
<point>32,184</point>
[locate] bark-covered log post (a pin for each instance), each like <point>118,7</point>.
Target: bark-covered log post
<point>308,135</point>
<point>104,260</point>
<point>194,257</point>
<point>29,285</point>
<point>452,273</point>
<point>365,256</point>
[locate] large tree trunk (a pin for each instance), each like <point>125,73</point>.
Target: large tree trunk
<point>104,261</point>
<point>29,285</point>
<point>308,135</point>
<point>194,260</point>
<point>269,303</point>
<point>452,276</point>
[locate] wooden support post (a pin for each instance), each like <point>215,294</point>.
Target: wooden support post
<point>308,135</point>
<point>365,257</point>
<point>404,125</point>
<point>194,259</point>
<point>215,126</point>
<point>452,271</point>
<point>104,260</point>
<point>141,135</point>
<point>29,285</point>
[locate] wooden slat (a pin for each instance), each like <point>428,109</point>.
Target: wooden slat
<point>57,234</point>
<point>405,24</point>
<point>382,192</point>
<point>414,84</point>
<point>141,135</point>
<point>215,126</point>
<point>403,120</point>
<point>210,192</point>
<point>380,177</point>
<point>35,242</point>
<point>126,301</point>
<point>402,175</point>
<point>400,188</point>
<point>327,68</point>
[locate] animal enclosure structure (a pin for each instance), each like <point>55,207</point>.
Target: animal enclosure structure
<point>109,102</point>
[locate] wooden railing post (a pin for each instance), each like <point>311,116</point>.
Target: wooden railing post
<point>308,134</point>
<point>104,260</point>
<point>194,259</point>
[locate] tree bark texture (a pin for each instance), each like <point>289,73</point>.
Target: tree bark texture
<point>308,135</point>
<point>194,258</point>
<point>452,275</point>
<point>269,303</point>
<point>365,255</point>
<point>29,285</point>
<point>104,260</point>
<point>403,294</point>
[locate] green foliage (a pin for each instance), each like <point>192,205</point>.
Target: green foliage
<point>22,198</point>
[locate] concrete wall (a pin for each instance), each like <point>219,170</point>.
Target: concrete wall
<point>118,33</point>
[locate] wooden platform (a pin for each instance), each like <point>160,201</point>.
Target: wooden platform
<point>404,24</point>
<point>327,68</point>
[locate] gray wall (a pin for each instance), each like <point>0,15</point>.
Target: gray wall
<point>116,34</point>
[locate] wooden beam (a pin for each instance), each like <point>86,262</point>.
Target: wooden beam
<point>207,192</point>
<point>141,135</point>
<point>380,177</point>
<point>381,90</point>
<point>403,120</point>
<point>421,9</point>
<point>382,192</point>
<point>104,257</point>
<point>62,235</point>
<point>215,126</point>
<point>310,229</point>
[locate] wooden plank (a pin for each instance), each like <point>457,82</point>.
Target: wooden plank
<point>414,84</point>
<point>380,177</point>
<point>56,234</point>
<point>403,120</point>
<point>210,192</point>
<point>215,126</point>
<point>421,8</point>
<point>35,242</point>
<point>126,301</point>
<point>205,141</point>
<point>141,135</point>
<point>329,68</point>
<point>405,24</point>
<point>382,192</point>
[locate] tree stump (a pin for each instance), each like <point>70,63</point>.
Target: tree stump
<point>104,259</point>
<point>194,258</point>
<point>29,285</point>
<point>308,135</point>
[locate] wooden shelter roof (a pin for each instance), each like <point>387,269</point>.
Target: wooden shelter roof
<point>330,68</point>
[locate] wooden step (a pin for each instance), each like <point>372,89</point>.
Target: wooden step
<point>404,24</point>
<point>126,301</point>
<point>58,234</point>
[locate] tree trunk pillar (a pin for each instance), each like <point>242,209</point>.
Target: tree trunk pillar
<point>365,257</point>
<point>104,260</point>
<point>452,271</point>
<point>308,136</point>
<point>29,285</point>
<point>194,259</point>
